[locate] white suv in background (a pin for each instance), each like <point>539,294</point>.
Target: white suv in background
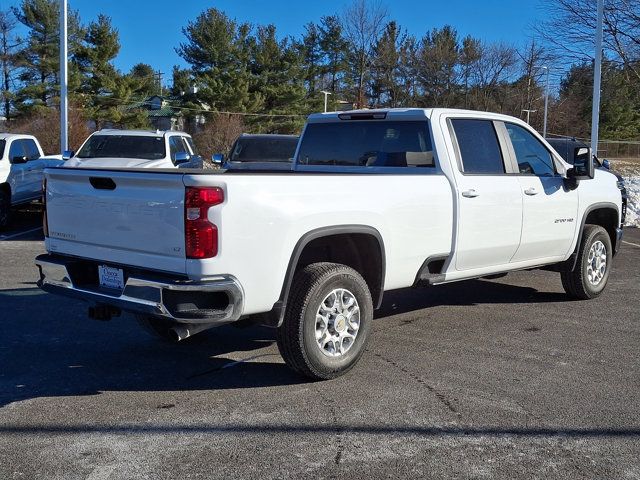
<point>135,149</point>
<point>22,164</point>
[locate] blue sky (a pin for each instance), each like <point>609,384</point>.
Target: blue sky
<point>151,29</point>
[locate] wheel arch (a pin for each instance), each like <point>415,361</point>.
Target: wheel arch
<point>604,214</point>
<point>341,244</point>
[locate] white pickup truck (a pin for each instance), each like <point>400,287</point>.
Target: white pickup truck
<point>373,201</point>
<point>114,148</point>
<point>22,165</point>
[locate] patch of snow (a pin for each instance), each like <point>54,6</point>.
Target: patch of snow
<point>633,203</point>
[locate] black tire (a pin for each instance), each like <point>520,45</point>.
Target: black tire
<point>5,208</point>
<point>576,282</point>
<point>297,335</point>
<point>157,327</point>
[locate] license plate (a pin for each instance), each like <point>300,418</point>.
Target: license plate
<point>111,277</point>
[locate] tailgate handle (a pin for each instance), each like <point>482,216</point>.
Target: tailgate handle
<point>102,183</point>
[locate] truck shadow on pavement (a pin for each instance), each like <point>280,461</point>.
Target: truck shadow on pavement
<point>465,293</point>
<point>48,347</point>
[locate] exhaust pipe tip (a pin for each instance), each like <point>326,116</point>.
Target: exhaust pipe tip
<point>179,333</point>
<point>182,332</point>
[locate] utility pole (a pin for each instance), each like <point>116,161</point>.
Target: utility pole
<point>529,112</point>
<point>546,104</point>
<point>326,95</point>
<point>64,101</point>
<point>159,74</point>
<point>597,71</point>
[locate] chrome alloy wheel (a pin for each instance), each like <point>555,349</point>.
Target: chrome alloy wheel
<point>337,322</point>
<point>596,263</point>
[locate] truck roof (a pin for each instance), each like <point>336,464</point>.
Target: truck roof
<point>399,114</point>
<point>8,136</point>
<point>140,133</point>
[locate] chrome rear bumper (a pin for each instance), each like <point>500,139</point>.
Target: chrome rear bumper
<point>179,300</point>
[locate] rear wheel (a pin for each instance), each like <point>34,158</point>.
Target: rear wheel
<point>327,321</point>
<point>5,208</point>
<point>591,273</point>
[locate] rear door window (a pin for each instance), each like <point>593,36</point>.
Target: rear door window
<point>479,147</point>
<point>368,143</point>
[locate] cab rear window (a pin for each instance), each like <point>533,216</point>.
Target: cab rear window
<point>367,144</point>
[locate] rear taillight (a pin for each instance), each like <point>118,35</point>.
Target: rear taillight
<point>201,236</point>
<point>45,224</point>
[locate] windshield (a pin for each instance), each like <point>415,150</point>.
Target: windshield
<point>123,146</point>
<point>264,149</point>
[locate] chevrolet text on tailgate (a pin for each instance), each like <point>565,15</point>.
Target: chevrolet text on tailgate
<point>374,200</point>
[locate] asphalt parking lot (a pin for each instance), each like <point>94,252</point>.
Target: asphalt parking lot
<point>482,379</point>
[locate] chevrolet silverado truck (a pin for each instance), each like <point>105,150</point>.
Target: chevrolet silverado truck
<point>374,200</point>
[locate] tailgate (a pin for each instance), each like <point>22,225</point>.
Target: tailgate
<point>129,218</point>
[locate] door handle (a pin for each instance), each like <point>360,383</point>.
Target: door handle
<point>470,193</point>
<point>531,191</point>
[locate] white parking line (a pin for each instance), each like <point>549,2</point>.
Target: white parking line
<point>629,243</point>
<point>8,237</point>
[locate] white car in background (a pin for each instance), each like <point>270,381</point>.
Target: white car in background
<point>135,149</point>
<point>22,165</point>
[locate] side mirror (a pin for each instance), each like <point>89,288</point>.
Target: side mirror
<point>606,164</point>
<point>217,158</point>
<point>583,168</point>
<point>67,154</point>
<point>19,159</point>
<point>181,157</point>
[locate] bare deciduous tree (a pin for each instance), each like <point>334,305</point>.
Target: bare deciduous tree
<point>571,28</point>
<point>218,135</point>
<point>363,24</point>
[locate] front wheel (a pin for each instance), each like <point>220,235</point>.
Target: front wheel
<point>327,321</point>
<point>589,277</point>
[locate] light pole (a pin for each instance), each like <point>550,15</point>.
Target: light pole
<point>529,112</point>
<point>546,103</point>
<point>597,71</point>
<point>64,102</point>
<point>326,95</point>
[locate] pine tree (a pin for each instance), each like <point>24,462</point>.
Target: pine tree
<point>334,48</point>
<point>147,82</point>
<point>108,94</point>
<point>39,58</point>
<point>312,57</point>
<point>436,65</point>
<point>277,81</point>
<point>217,48</point>
<point>387,82</point>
